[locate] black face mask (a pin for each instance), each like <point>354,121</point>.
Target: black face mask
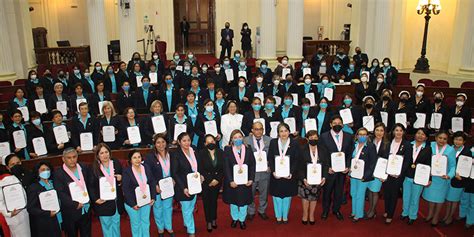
<point>337,128</point>
<point>386,98</point>
<point>369,106</point>
<point>211,146</point>
<point>320,52</point>
<point>17,170</point>
<point>438,100</point>
<point>313,142</point>
<point>47,75</point>
<point>404,100</point>
<point>227,27</point>
<point>172,68</point>
<point>358,52</point>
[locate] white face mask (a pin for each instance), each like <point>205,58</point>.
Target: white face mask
<point>419,93</point>
<point>323,64</point>
<point>379,80</point>
<point>237,55</point>
<point>155,57</point>
<point>304,64</point>
<point>204,69</point>
<point>386,64</point>
<point>217,69</point>
<point>259,79</point>
<point>307,81</point>
<point>364,79</point>
<point>284,62</point>
<point>187,68</point>
<point>241,84</point>
<point>276,82</point>
<point>459,103</point>
<point>375,64</point>
<point>86,74</point>
<point>190,56</point>
<point>325,81</point>
<point>33,77</point>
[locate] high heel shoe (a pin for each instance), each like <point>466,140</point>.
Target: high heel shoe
<point>214,224</point>
<point>388,221</point>
<point>371,217</point>
<point>209,227</point>
<point>312,222</point>
<point>304,222</point>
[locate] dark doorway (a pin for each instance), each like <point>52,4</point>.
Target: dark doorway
<point>200,15</point>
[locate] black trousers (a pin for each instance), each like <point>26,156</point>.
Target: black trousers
<point>209,201</point>
<point>333,192</point>
<point>391,189</point>
<point>227,48</point>
<point>83,225</point>
<point>186,39</point>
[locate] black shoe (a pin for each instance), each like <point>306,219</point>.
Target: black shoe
<point>434,225</point>
<point>304,222</point>
<point>354,220</point>
<point>339,215</point>
<point>312,222</point>
<point>410,222</point>
<point>214,224</point>
<point>250,217</point>
<point>242,225</point>
<point>285,222</point>
<point>279,222</point>
<point>161,234</point>
<point>209,227</point>
<point>324,216</point>
<point>402,217</point>
<point>233,224</point>
<point>263,216</point>
<point>172,234</point>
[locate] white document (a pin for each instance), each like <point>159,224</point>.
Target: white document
<point>40,106</point>
<point>107,191</point>
<point>261,162</point>
<point>295,98</point>
<point>49,201</point>
<point>439,165</point>
<point>306,71</point>
<point>422,174</point>
<point>284,72</point>
<point>313,174</point>
<point>139,81</point>
<point>14,197</point>
<point>262,121</point>
<point>4,150</point>
<point>436,119</point>
<point>291,123</point>
<point>346,115</point>
<point>357,169</point>
<point>159,125</point>
<point>78,102</point>
<point>274,129</point>
<point>229,74</point>
<point>178,129</point>
<point>472,172</point>
<point>282,166</point>
<point>210,127</point>
<point>322,70</point>
<point>62,107</point>
<point>259,95</point>
<point>384,116</point>
<point>134,136</point>
<point>153,77</point>
<point>401,118</point>
<point>310,96</point>
<point>19,139</point>
<point>166,187</point>
<point>60,134</point>
<point>241,174</point>
<point>463,168</point>
<point>243,74</point>
<point>277,100</point>
<point>24,113</point>
<point>100,104</point>
<point>143,199</point>
<point>310,124</point>
<point>380,168</point>
<point>328,93</point>
<point>179,68</point>
<point>194,183</point>
<point>368,123</point>
<point>77,194</point>
<point>108,133</point>
<point>87,141</point>
<point>420,120</point>
<point>338,161</point>
<point>457,124</point>
<point>39,145</point>
<point>395,163</point>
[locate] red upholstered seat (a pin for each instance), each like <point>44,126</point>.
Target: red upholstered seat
<point>426,81</point>
<point>467,84</point>
<point>404,82</point>
<point>20,82</point>
<point>5,83</point>
<point>440,83</point>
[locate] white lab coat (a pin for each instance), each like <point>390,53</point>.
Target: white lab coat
<point>229,123</point>
<point>19,224</point>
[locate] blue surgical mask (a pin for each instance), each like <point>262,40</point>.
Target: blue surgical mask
<point>45,174</point>
<point>351,67</point>
<point>238,142</point>
<point>242,64</point>
<point>305,107</point>
<point>36,122</point>
<point>323,105</point>
<point>256,107</point>
<point>263,66</point>
<point>98,68</point>
<point>288,102</point>
<point>362,139</point>
<point>226,62</point>
<point>269,106</point>
<point>126,88</point>
<point>170,81</point>
<point>209,108</point>
<point>146,85</point>
<point>110,71</point>
<point>76,71</point>
<point>347,101</point>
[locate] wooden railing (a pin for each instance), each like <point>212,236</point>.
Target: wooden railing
<point>310,47</point>
<point>63,55</point>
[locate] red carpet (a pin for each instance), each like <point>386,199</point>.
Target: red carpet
<point>330,227</point>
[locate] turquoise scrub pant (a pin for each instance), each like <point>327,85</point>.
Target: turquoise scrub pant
<point>411,198</point>
<point>464,204</point>
<point>139,220</point>
<point>282,207</point>
<point>163,213</point>
<point>187,209</point>
<point>238,213</point>
<point>358,189</point>
<point>470,209</point>
<point>110,225</point>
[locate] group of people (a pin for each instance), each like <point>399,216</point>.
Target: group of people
<point>230,129</point>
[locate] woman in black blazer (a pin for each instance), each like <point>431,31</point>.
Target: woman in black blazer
<point>438,107</point>
<point>156,109</point>
<point>211,166</point>
<point>186,165</point>
<point>399,146</point>
<point>307,88</point>
<point>309,194</point>
<point>283,188</point>
<point>241,94</point>
<point>131,120</point>
<point>161,165</point>
<point>125,98</point>
<point>44,223</point>
<point>138,176</point>
<point>460,110</point>
<point>208,114</point>
<point>109,118</point>
<point>16,125</point>
<point>98,73</point>
<point>390,72</point>
<point>109,211</point>
<point>307,112</point>
<point>78,94</point>
<point>18,101</point>
<point>112,81</point>
<point>100,96</point>
<point>255,113</point>
<point>59,95</point>
<point>323,116</point>
<point>55,148</point>
<point>169,94</point>
<point>288,110</point>
<point>412,191</point>
<point>179,118</point>
<point>84,123</point>
<point>367,109</point>
<point>35,129</point>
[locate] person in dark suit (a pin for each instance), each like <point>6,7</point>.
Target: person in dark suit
<point>283,188</point>
<point>109,211</point>
<point>307,112</point>
<point>136,59</point>
<point>367,109</point>
<point>44,223</point>
<point>100,96</point>
<point>34,130</point>
<point>17,125</point>
<point>211,166</point>
<point>438,107</point>
<point>390,72</point>
<point>180,117</point>
<point>364,88</point>
<point>131,120</point>
<point>323,116</point>
<point>288,110</point>
<point>79,95</point>
<point>32,82</point>
<point>125,98</point>
<point>169,94</point>
<point>144,96</point>
<point>250,116</point>
<point>460,110</point>
<point>18,101</point>
<point>161,165</point>
<point>123,74</point>
<point>59,95</point>
<point>109,118</point>
<point>83,123</point>
<point>339,144</point>
<point>77,216</point>
<point>241,94</point>
<point>387,108</point>
<point>184,26</point>
<point>55,148</point>
<point>246,40</point>
<point>359,57</point>
<point>313,153</point>
<point>391,186</point>
<point>111,80</point>
<point>227,35</point>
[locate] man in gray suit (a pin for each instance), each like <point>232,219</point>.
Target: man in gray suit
<point>259,143</point>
